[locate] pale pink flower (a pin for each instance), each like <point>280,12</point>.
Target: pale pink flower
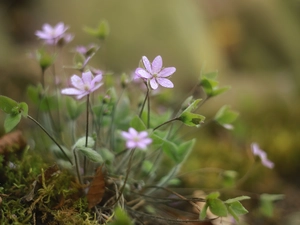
<point>136,139</point>
<point>262,155</point>
<point>155,73</point>
<point>83,85</point>
<point>53,35</point>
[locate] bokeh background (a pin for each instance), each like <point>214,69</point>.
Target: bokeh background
<point>253,44</point>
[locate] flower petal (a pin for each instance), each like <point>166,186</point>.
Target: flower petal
<point>94,88</point>
<point>97,79</point>
<point>47,28</point>
<point>147,64</point>
<point>77,82</point>
<point>157,64</point>
<point>87,77</point>
<point>71,91</point>
<point>42,34</point>
<point>166,72</point>
<point>82,95</point>
<point>143,73</point>
<point>133,132</point>
<point>165,82</point>
<point>153,84</point>
<point>131,144</point>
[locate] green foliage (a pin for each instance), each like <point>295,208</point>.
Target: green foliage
<point>121,218</point>
<point>43,101</point>
<point>222,208</point>
<point>210,85</point>
<point>14,112</point>
<point>101,32</point>
<point>267,203</point>
<point>91,154</point>
<point>225,116</point>
<point>8,105</point>
<point>11,121</point>
<point>74,108</point>
<point>44,59</point>
<point>189,118</point>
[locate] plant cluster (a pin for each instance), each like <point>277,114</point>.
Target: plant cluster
<point>116,155</point>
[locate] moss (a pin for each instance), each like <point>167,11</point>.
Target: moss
<point>33,192</point>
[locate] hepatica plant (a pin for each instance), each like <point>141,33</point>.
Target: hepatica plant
<point>123,154</point>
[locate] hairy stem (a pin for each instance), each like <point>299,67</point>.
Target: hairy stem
<point>165,123</point>
<point>49,135</point>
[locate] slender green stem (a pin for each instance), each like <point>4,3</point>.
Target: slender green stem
<point>77,167</point>
<point>86,130</point>
<point>127,174</point>
<point>49,135</point>
<point>148,109</point>
<point>169,121</point>
<point>146,98</point>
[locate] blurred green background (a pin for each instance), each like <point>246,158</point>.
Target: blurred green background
<point>253,44</point>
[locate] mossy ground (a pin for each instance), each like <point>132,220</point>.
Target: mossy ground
<point>34,192</point>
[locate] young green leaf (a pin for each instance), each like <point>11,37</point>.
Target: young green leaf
<point>138,124</point>
<point>91,154</point>
<point>184,150</point>
<point>202,215</point>
<point>81,142</point>
<point>7,104</point>
<point>225,116</point>
<point>11,121</point>
<point>213,195</point>
<point>217,207</point>
<point>101,32</point>
<point>23,107</point>
<point>171,150</point>
<point>121,218</point>
<point>189,118</point>
<point>236,209</point>
<point>240,198</point>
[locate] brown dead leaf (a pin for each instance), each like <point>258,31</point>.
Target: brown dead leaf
<point>97,188</point>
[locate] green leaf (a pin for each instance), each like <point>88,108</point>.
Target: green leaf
<point>226,116</point>
<point>213,195</point>
<point>210,84</point>
<point>106,154</point>
<point>218,91</point>
<point>171,150</point>
<point>267,205</point>
<point>240,198</point>
<point>74,108</point>
<point>101,32</point>
<point>202,215</point>
<point>138,124</point>
<point>238,208</point>
<point>121,218</point>
<point>24,109</point>
<point>184,150</point>
<point>217,207</point>
<point>81,142</point>
<point>189,118</point>
<point>44,58</point>
<point>192,106</point>
<point>91,154</point>
<point>11,121</point>
<point>7,104</point>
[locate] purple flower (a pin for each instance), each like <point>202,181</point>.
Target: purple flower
<point>136,139</point>
<point>155,73</point>
<point>83,85</point>
<point>262,155</point>
<point>53,35</point>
